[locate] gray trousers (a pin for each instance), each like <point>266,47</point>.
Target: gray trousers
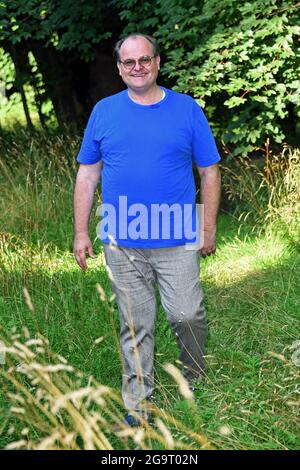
<point>134,275</point>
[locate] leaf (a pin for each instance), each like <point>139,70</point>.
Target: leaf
<point>235,101</point>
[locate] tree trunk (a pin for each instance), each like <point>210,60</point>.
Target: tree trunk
<point>73,85</point>
<point>20,60</point>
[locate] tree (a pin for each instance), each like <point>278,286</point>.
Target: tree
<point>71,43</point>
<point>240,60</point>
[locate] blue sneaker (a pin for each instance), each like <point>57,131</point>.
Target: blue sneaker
<point>131,421</point>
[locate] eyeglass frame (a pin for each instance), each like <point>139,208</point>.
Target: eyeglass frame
<point>138,60</point>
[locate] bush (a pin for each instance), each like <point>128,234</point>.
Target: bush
<point>238,59</point>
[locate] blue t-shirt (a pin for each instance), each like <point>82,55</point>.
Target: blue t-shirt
<point>148,187</point>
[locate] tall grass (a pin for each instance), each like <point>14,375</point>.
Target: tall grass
<point>267,192</point>
<point>37,174</point>
<point>55,409</point>
<point>61,380</point>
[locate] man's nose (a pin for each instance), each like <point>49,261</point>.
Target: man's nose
<point>137,66</point>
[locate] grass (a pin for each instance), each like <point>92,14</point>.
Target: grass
<point>251,396</point>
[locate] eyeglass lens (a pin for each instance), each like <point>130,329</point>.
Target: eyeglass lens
<point>143,61</point>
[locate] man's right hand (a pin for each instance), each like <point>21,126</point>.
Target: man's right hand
<point>82,245</point>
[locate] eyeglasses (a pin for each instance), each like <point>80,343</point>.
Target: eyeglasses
<point>144,61</point>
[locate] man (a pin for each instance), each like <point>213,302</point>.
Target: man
<point>143,142</point>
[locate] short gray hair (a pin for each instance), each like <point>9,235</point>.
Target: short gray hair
<point>152,40</point>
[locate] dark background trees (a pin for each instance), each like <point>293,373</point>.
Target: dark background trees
<point>71,43</point>
<point>240,60</point>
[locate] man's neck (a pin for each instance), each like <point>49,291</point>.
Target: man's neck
<point>151,96</point>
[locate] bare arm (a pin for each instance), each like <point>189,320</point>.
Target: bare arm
<point>210,198</point>
<point>86,182</point>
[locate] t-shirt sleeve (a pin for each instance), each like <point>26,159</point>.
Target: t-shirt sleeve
<point>89,152</point>
<point>205,152</point>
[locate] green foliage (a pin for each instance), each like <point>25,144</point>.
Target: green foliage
<point>238,59</point>
<point>66,24</point>
<point>11,109</point>
<point>7,73</point>
<point>7,78</point>
<point>48,41</point>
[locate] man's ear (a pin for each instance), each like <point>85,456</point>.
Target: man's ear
<point>119,68</point>
<point>158,62</point>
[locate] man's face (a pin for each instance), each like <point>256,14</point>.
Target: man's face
<point>139,78</point>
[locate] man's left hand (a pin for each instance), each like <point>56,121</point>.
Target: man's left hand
<point>209,242</point>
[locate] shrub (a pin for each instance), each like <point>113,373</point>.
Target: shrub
<point>240,60</point>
